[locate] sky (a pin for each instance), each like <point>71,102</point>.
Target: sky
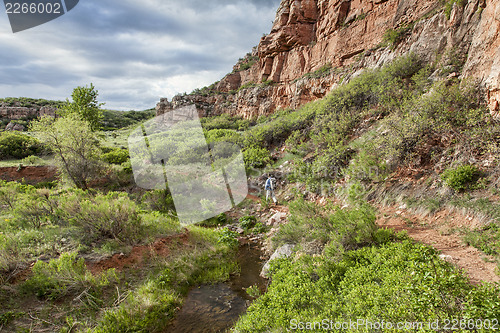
<point>134,52</point>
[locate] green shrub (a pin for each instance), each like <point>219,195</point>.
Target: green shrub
<point>112,120</point>
<point>159,200</point>
<point>461,178</point>
<point>225,135</point>
<point>17,145</point>
<point>10,191</point>
<point>37,208</point>
<point>393,37</point>
<point>116,156</point>
<point>248,62</point>
<point>398,282</point>
<point>248,221</point>
<point>253,291</point>
<point>224,121</point>
<point>344,229</point>
<point>228,237</point>
<point>486,239</point>
<point>215,221</point>
<point>64,276</point>
<point>259,228</point>
<point>32,160</point>
<point>256,157</point>
<point>110,216</point>
<point>323,71</point>
<point>148,309</point>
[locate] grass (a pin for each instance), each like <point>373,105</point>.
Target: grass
<point>44,222</point>
<point>142,298</point>
<point>44,160</point>
<point>117,138</point>
<point>153,303</point>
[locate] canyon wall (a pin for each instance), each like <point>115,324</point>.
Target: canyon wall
<point>14,111</point>
<point>316,44</point>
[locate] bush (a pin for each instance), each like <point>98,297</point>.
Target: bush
<point>225,135</point>
<point>487,239</point>
<point>17,145</point>
<point>247,222</point>
<point>110,216</point>
<point>224,121</point>
<point>64,276</point>
<point>37,208</point>
<point>393,37</point>
<point>116,156</point>
<point>228,237</point>
<point>344,229</point>
<point>398,282</point>
<point>259,228</point>
<point>461,178</point>
<point>159,200</point>
<point>256,157</point>
<point>32,160</point>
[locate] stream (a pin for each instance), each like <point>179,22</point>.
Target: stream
<point>215,308</point>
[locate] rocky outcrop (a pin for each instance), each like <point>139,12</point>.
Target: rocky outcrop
<point>316,44</point>
<point>15,112</point>
<point>483,62</point>
<point>284,251</point>
<point>15,127</point>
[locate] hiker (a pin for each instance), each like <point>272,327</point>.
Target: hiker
<point>269,187</point>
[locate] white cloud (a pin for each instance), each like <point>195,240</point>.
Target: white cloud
<point>134,52</point>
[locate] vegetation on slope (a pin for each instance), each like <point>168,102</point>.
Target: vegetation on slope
<point>351,144</point>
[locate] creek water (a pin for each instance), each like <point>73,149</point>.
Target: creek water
<point>215,308</point>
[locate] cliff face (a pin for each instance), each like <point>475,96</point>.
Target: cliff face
<point>316,44</point>
<point>14,111</point>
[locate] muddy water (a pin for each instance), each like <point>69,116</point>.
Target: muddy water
<point>215,308</point>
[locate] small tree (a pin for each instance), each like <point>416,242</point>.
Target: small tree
<point>85,105</point>
<point>74,144</point>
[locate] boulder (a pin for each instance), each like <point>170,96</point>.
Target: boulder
<point>15,127</point>
<point>284,251</point>
<point>278,217</point>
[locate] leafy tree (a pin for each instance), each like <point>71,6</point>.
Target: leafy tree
<point>74,144</point>
<point>85,105</point>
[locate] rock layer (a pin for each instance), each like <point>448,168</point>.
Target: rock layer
<point>316,44</point>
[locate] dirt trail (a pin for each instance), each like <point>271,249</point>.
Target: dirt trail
<point>437,231</point>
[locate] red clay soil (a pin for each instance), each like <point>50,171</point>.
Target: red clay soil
<point>161,247</point>
<point>437,231</point>
<point>30,174</point>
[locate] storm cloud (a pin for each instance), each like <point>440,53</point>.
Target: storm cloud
<point>133,52</point>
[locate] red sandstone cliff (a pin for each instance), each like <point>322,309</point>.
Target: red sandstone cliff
<point>343,37</point>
